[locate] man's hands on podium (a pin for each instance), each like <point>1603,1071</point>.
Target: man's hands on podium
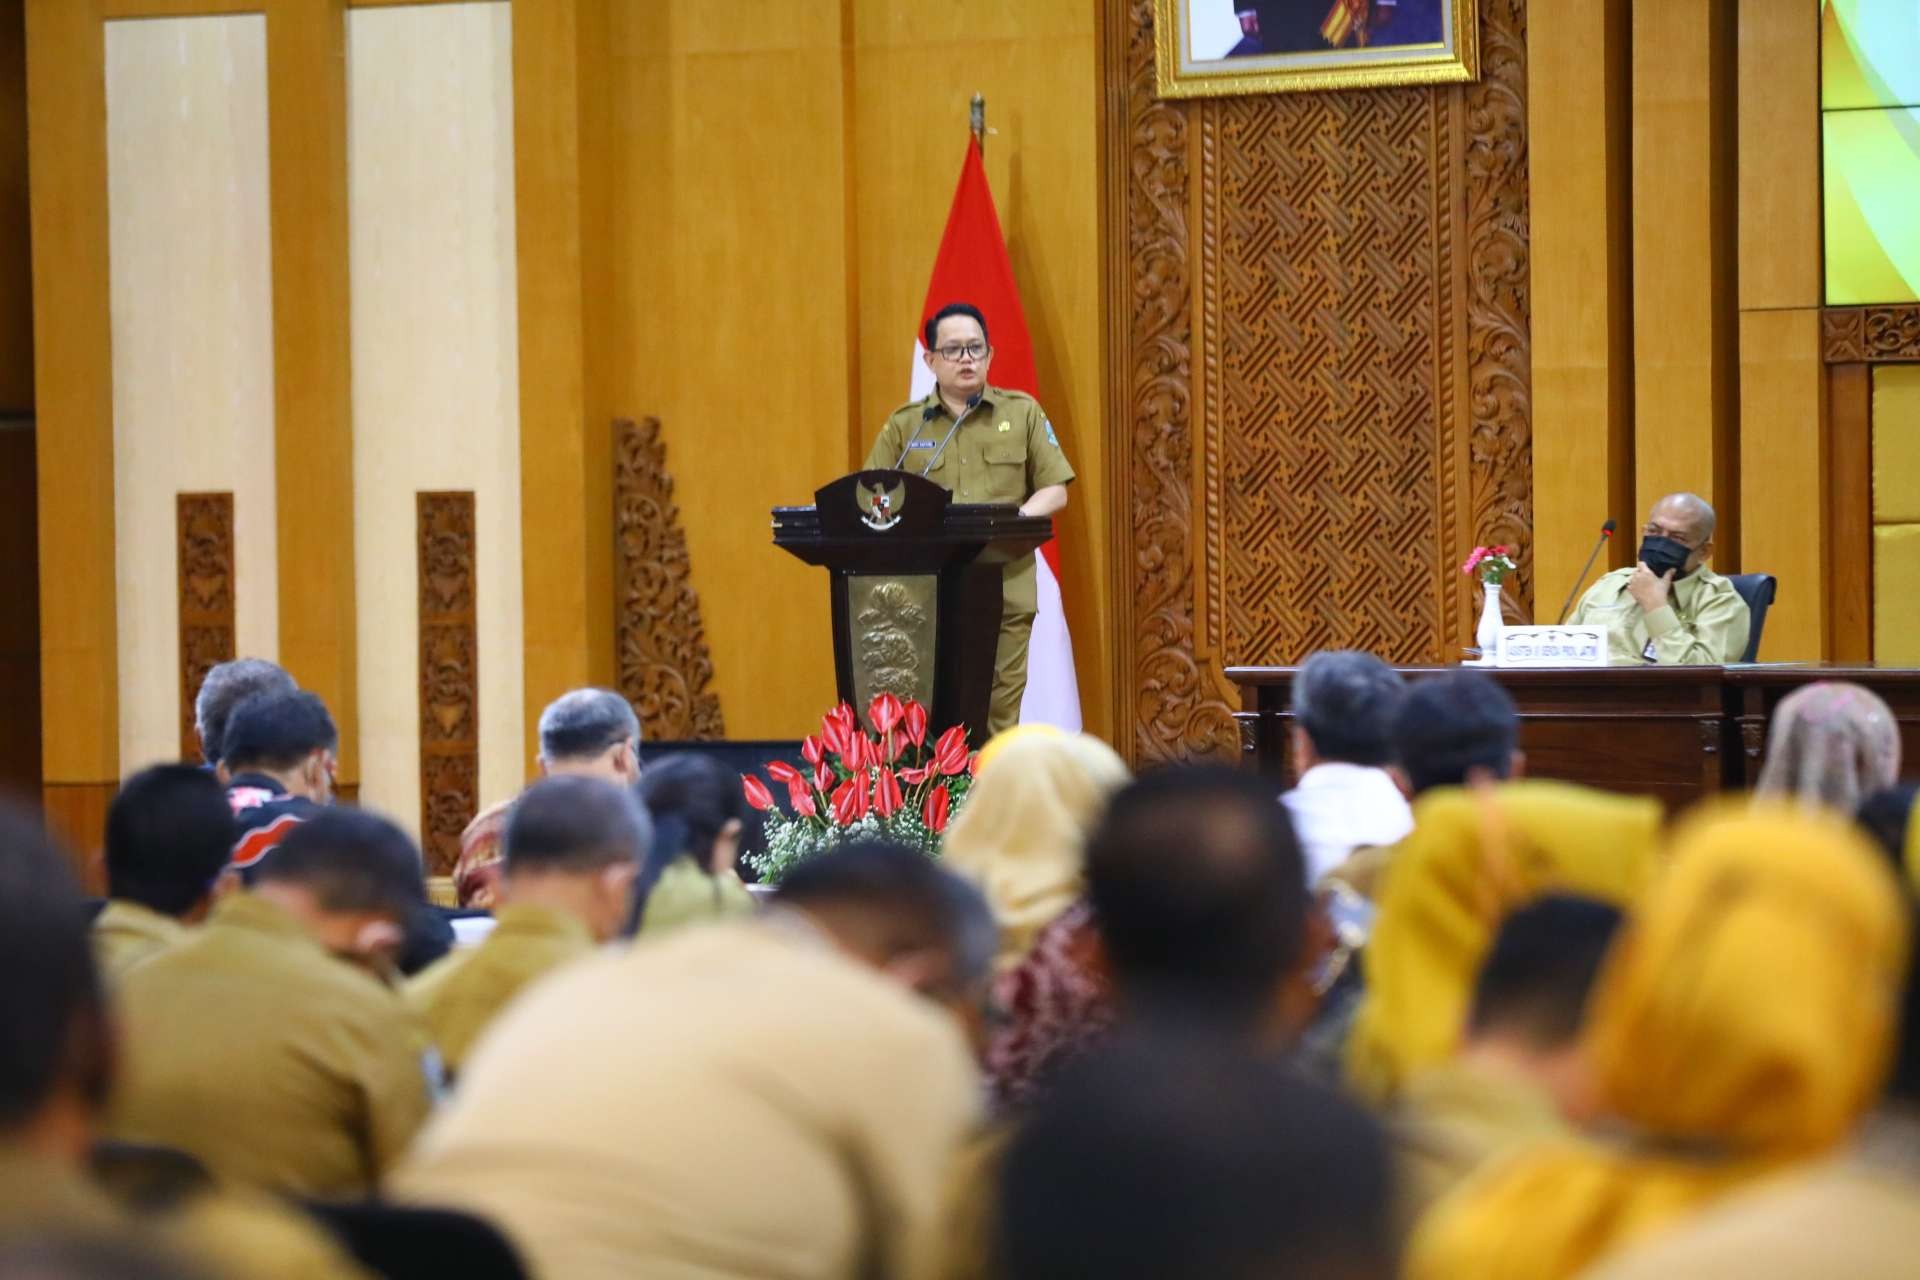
<point>1045,501</point>
<point>1650,590</point>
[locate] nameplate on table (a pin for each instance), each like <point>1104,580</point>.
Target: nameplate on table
<point>1551,647</point>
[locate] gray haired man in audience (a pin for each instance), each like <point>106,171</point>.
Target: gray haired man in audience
<point>226,686</point>
<point>1344,705</point>
<point>591,733</point>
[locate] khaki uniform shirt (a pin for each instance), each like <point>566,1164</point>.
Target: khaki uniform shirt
<point>125,933</point>
<point>686,895</point>
<point>1855,1217</point>
<point>274,1063</point>
<point>1450,1121</point>
<point>735,1100</point>
<point>1703,623</point>
<point>1004,452</point>
<point>464,991</point>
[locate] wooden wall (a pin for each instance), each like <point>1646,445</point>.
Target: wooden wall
<point>1320,381</point>
<point>724,213</point>
<point>782,173</point>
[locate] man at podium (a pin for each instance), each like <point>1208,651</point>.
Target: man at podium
<point>983,444</point>
<point>1670,608</point>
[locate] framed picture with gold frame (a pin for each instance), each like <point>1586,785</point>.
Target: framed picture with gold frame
<point>1205,48</point>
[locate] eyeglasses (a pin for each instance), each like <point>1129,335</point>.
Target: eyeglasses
<point>954,355</point>
<point>1653,530</point>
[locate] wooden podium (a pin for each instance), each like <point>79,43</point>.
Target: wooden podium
<point>916,588</point>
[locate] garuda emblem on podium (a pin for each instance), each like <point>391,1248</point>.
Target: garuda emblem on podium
<point>879,506</point>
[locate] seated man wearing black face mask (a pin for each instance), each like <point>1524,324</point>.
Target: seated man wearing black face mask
<point>1670,608</point>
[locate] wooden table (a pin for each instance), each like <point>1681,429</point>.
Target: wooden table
<point>1674,732</point>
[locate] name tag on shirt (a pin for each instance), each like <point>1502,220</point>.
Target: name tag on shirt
<point>919,444</point>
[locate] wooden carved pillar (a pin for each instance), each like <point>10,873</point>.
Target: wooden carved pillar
<point>203,523</point>
<point>449,676</point>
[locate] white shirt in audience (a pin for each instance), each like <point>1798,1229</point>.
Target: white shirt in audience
<point>1338,808</point>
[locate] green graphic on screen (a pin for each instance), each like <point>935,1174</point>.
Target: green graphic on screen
<point>1870,149</point>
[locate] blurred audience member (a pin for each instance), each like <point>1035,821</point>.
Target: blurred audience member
<point>1856,1215</point>
<point>573,852</point>
<point>56,1073</point>
<point>1887,816</point>
<point>1474,856</point>
<point>1831,744</point>
<point>1344,706</point>
<point>1455,728</point>
<point>169,835</point>
<point>1185,909</point>
<point>1518,1075</point>
<point>776,1096</point>
<point>698,815</point>
<point>1021,835</point>
<point>264,1044</point>
<point>56,1047</point>
<point>1451,729</point>
<point>1194,1157</point>
<point>280,755</point>
<point>1742,1024</point>
<point>1199,892</point>
<point>225,686</point>
<point>584,733</point>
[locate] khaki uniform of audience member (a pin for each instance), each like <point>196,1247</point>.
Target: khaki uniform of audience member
<point>126,933</point>
<point>1856,1216</point>
<point>1703,623</point>
<point>685,895</point>
<point>1452,1120</point>
<point>463,992</point>
<point>238,1235</point>
<point>735,1100</point>
<point>1004,452</point>
<point>276,1064</point>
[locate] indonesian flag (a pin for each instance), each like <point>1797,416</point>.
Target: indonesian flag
<point>973,267</point>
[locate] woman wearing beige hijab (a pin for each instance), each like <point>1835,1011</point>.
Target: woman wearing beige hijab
<point>1020,835</point>
<point>1831,745</point>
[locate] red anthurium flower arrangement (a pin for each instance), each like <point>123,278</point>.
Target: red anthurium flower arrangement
<point>884,779</point>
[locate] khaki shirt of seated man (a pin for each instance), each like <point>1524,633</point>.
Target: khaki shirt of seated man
<point>1703,623</point>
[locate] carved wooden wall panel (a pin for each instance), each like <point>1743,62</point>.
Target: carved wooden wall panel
<point>449,676</point>
<point>203,525</point>
<point>1322,379</point>
<point>1855,335</point>
<point>660,643</point>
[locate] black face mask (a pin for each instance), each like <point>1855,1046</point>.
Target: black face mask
<point>1661,554</point>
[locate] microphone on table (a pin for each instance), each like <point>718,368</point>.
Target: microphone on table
<point>1606,535</point>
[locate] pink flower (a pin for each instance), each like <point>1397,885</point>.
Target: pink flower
<point>884,712</point>
<point>756,792</point>
<point>886,794</point>
<point>823,776</point>
<point>812,750</point>
<point>850,801</point>
<point>915,719</point>
<point>950,753</point>
<point>834,733</point>
<point>781,771</point>
<point>934,812</point>
<point>914,777</point>
<point>802,800</point>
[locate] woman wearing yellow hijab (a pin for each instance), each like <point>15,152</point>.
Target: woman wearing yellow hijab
<point>1475,855</point>
<point>1034,796</point>
<point>1742,1023</point>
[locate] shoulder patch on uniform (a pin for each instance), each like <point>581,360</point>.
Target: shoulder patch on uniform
<point>1051,438</point>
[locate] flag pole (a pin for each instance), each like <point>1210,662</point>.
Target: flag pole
<point>977,117</point>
